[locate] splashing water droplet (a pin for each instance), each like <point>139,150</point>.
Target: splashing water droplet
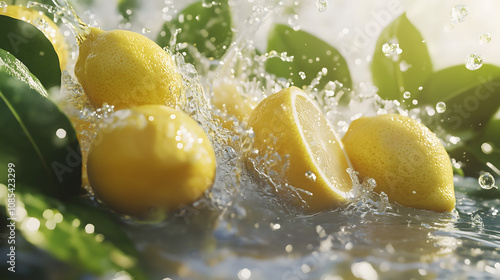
<point>487,181</point>
<point>3,4</point>
<point>473,61</point>
<point>459,13</point>
<point>477,221</point>
<point>485,38</point>
<point>440,107</point>
<point>302,75</point>
<point>486,148</point>
<point>322,5</point>
<point>146,30</point>
<point>311,176</point>
<point>391,48</point>
<point>404,66</point>
<point>406,95</point>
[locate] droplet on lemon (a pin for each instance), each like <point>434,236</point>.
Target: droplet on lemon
<point>290,123</point>
<point>126,69</point>
<point>406,159</point>
<point>150,160</point>
<point>44,24</point>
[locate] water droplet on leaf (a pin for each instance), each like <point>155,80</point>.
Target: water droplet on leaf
<point>391,48</point>
<point>440,107</point>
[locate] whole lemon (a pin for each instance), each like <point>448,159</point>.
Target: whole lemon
<point>152,159</point>
<point>405,158</point>
<point>44,24</point>
<point>126,69</point>
<point>313,160</point>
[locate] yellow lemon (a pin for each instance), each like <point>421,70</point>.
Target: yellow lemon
<point>290,123</point>
<point>126,69</point>
<point>84,133</point>
<point>405,158</point>
<point>44,24</point>
<point>152,159</point>
<point>230,100</point>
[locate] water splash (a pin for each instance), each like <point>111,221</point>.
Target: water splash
<point>477,221</point>
<point>65,12</point>
<point>311,176</point>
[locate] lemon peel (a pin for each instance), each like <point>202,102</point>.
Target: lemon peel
<point>150,160</point>
<point>406,159</point>
<point>126,69</point>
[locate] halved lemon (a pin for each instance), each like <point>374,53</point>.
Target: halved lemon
<point>313,163</point>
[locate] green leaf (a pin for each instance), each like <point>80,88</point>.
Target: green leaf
<point>471,97</point>
<point>9,64</point>
<point>397,73</point>
<point>125,5</point>
<point>36,136</point>
<point>77,234</point>
<point>208,29</point>
<point>310,56</point>
<point>486,147</point>
<point>29,45</point>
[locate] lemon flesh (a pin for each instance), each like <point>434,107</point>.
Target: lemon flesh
<point>44,24</point>
<point>150,161</point>
<point>126,69</point>
<point>405,158</point>
<point>290,123</point>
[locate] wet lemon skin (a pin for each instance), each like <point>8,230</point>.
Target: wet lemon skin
<point>405,158</point>
<point>276,132</point>
<point>126,69</point>
<point>150,162</point>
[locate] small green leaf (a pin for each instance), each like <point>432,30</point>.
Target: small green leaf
<point>471,97</point>
<point>124,6</point>
<point>208,29</point>
<point>394,74</point>
<point>310,56</point>
<point>29,45</point>
<point>77,234</point>
<point>36,136</point>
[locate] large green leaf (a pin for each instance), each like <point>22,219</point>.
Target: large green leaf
<point>77,234</point>
<point>486,147</point>
<point>394,73</point>
<point>208,29</point>
<point>29,45</point>
<point>124,6</point>
<point>471,97</point>
<point>35,135</point>
<point>310,56</point>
